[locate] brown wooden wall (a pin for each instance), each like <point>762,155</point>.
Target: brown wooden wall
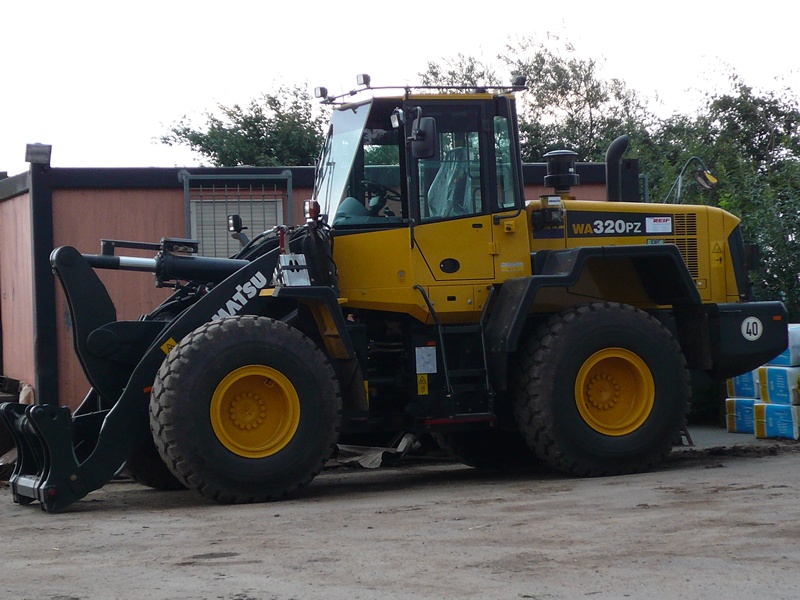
<point>90,204</point>
<point>16,288</point>
<point>300,195</point>
<point>583,192</point>
<point>80,219</point>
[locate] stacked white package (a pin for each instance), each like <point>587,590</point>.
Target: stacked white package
<point>774,385</point>
<point>779,384</point>
<point>791,356</point>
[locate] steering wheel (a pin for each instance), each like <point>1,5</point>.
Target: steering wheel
<point>373,188</point>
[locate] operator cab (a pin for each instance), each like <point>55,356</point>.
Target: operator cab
<point>398,161</point>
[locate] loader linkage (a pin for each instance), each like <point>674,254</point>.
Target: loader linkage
<point>62,456</point>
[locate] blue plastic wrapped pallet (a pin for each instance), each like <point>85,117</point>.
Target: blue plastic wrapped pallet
<point>740,416</point>
<point>776,420</point>
<point>779,384</point>
<point>791,356</point>
<point>744,386</point>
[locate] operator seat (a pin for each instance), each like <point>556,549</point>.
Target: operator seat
<point>449,194</point>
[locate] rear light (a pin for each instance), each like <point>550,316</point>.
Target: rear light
<point>312,210</point>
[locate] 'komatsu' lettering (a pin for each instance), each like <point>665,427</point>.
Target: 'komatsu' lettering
<point>243,294</point>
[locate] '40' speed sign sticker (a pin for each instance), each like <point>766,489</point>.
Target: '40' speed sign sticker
<point>752,329</point>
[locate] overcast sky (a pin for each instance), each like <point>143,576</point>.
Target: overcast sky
<point>101,80</point>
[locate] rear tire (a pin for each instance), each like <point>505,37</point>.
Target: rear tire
<point>146,468</point>
<point>245,409</point>
<point>601,389</point>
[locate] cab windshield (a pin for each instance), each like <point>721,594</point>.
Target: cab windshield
<point>359,181</point>
<point>338,154</point>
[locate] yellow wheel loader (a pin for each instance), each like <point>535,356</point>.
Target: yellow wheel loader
<point>424,295</point>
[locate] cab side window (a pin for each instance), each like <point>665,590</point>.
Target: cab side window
<point>450,184</point>
<point>506,188</point>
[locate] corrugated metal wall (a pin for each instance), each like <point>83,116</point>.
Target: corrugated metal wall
<point>260,206</point>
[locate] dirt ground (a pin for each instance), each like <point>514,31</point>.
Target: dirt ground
<point>712,523</point>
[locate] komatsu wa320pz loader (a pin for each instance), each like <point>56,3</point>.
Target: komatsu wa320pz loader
<point>423,295</point>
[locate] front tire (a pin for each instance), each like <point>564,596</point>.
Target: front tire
<point>601,389</point>
<point>245,409</point>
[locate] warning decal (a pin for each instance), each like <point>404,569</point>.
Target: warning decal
<point>422,385</point>
<point>167,346</point>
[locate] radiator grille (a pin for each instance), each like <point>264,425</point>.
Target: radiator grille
<point>688,249</point>
<point>686,240</point>
<point>686,225</point>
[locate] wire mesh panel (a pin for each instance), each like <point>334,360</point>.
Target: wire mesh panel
<point>260,206</point>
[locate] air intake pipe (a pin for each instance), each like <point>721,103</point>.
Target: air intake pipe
<point>561,171</point>
<point>614,168</point>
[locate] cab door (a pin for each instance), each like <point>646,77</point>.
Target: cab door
<point>453,231</point>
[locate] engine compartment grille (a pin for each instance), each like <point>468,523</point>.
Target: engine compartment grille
<point>686,241</point>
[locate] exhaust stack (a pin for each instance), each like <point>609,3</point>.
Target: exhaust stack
<point>614,168</point>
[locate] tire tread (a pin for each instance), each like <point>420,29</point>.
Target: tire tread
<point>534,412</point>
<point>170,380</point>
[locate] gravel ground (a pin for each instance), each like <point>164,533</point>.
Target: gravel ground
<point>721,522</point>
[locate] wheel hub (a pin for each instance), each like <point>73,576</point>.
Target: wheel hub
<point>255,411</point>
<point>603,392</point>
<point>248,410</point>
<point>614,391</point>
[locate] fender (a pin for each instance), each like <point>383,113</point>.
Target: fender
<point>323,304</point>
<point>660,268</point>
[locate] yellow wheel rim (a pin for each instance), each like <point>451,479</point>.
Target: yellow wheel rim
<point>255,411</point>
<point>615,391</point>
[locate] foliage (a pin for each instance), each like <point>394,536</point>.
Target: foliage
<point>773,220</point>
<point>567,105</point>
<point>757,138</point>
<point>461,70</point>
<point>279,129</point>
<point>762,127</point>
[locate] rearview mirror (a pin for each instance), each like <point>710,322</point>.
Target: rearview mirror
<point>423,137</point>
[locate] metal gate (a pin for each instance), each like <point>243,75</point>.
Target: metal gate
<point>209,199</point>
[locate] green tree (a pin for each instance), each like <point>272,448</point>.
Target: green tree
<point>764,127</point>
<point>750,141</point>
<point>567,104</point>
<point>664,147</point>
<point>284,128</point>
<point>462,70</point>
<point>756,138</point>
